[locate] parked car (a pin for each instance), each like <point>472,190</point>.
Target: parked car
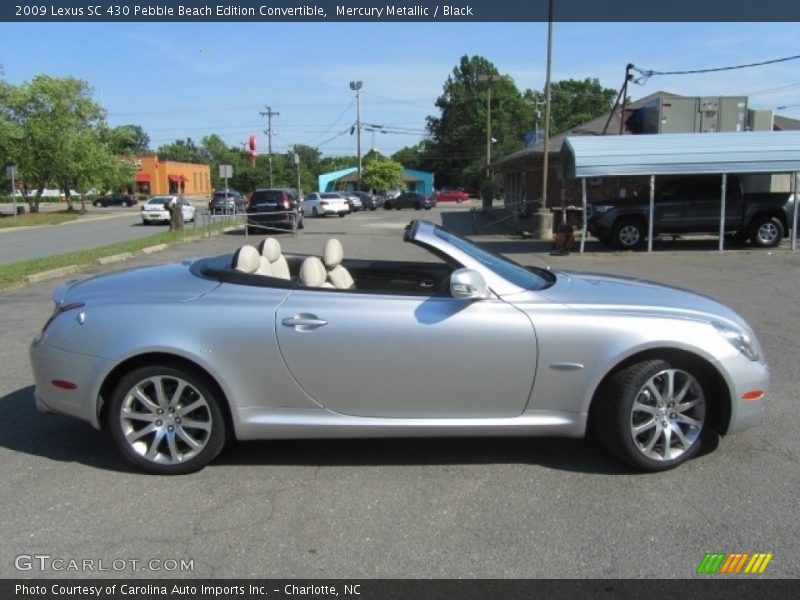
<point>413,200</point>
<point>448,195</point>
<point>368,201</point>
<point>115,200</point>
<point>268,209</point>
<point>155,211</point>
<point>650,369</point>
<point>691,204</point>
<point>392,194</point>
<point>227,203</point>
<point>353,201</point>
<point>320,204</point>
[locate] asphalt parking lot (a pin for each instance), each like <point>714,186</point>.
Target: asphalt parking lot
<point>450,508</point>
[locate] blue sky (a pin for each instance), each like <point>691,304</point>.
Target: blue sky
<point>181,80</point>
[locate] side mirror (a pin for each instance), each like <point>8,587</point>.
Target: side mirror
<point>467,284</point>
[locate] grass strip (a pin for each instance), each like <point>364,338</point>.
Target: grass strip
<point>12,275</point>
<point>44,218</point>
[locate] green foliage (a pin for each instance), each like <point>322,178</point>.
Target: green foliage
<point>382,174</point>
<point>182,151</point>
<point>127,140</point>
<point>475,96</point>
<point>574,102</point>
<point>57,133</point>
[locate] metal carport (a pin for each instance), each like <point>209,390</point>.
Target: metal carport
<point>682,154</point>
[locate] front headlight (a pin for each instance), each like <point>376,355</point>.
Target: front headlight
<point>738,339</point>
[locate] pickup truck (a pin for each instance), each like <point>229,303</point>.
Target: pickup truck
<point>691,204</point>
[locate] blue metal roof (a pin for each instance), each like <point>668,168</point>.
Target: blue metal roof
<point>680,153</point>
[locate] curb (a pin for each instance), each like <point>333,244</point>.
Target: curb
<point>52,274</point>
<point>114,258</point>
<point>153,249</point>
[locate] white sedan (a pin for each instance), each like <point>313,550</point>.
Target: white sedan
<point>155,210</point>
<point>319,204</point>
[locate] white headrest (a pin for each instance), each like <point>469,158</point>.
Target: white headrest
<point>312,272</point>
<point>246,259</point>
<point>270,248</point>
<point>333,253</point>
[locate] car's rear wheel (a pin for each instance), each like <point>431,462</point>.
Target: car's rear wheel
<point>166,420</point>
<point>387,205</point>
<point>766,232</point>
<point>652,414</point>
<point>314,212</point>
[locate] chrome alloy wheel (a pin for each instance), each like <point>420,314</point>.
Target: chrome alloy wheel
<point>165,420</point>
<point>667,415</point>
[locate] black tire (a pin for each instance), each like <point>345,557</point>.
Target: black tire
<point>300,223</point>
<point>666,429</point>
<point>766,232</point>
<point>342,215</point>
<point>417,206</point>
<point>164,449</point>
<point>314,212</point>
<point>628,234</point>
<point>387,205</point>
<point>428,207</point>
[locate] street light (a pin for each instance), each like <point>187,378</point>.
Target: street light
<point>489,139</point>
<point>356,87</point>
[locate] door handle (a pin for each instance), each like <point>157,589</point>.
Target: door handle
<point>303,322</point>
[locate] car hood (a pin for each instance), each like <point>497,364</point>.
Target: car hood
<point>167,283</point>
<point>612,294</point>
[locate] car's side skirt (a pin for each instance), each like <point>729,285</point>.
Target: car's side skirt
<point>257,423</point>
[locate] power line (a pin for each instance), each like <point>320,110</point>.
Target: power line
<point>648,73</point>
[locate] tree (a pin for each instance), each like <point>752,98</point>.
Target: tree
<point>50,118</point>
<point>128,140</point>
<point>574,102</point>
<point>182,151</point>
<point>458,149</point>
<point>382,174</point>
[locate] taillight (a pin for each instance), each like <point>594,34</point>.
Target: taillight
<point>60,310</point>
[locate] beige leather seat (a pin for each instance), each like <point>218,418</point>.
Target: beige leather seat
<point>313,273</point>
<point>270,249</point>
<point>246,259</point>
<point>338,275</point>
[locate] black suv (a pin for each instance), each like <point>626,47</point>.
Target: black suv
<point>274,208</point>
<point>227,203</point>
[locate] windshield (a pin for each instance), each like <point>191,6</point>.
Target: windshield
<point>524,277</point>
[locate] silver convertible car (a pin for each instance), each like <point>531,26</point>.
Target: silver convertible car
<point>261,345</point>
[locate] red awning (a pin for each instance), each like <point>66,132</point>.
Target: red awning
<point>142,178</point>
<point>176,178</point>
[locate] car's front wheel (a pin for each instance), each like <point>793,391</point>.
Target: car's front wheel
<point>387,205</point>
<point>166,420</point>
<point>652,414</point>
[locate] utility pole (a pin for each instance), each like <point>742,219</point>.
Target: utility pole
<point>269,114</point>
<point>356,86</point>
<point>546,144</point>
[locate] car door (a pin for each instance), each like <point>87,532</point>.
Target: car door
<point>380,355</point>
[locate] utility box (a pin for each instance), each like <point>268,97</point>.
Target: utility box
<point>760,120</point>
<point>693,115</point>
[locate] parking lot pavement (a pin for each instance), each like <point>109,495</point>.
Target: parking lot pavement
<point>492,508</point>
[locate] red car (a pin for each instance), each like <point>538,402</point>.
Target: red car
<point>452,196</point>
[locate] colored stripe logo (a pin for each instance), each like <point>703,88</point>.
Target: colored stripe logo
<point>734,563</point>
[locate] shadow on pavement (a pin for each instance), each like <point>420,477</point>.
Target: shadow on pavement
<point>63,439</point>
